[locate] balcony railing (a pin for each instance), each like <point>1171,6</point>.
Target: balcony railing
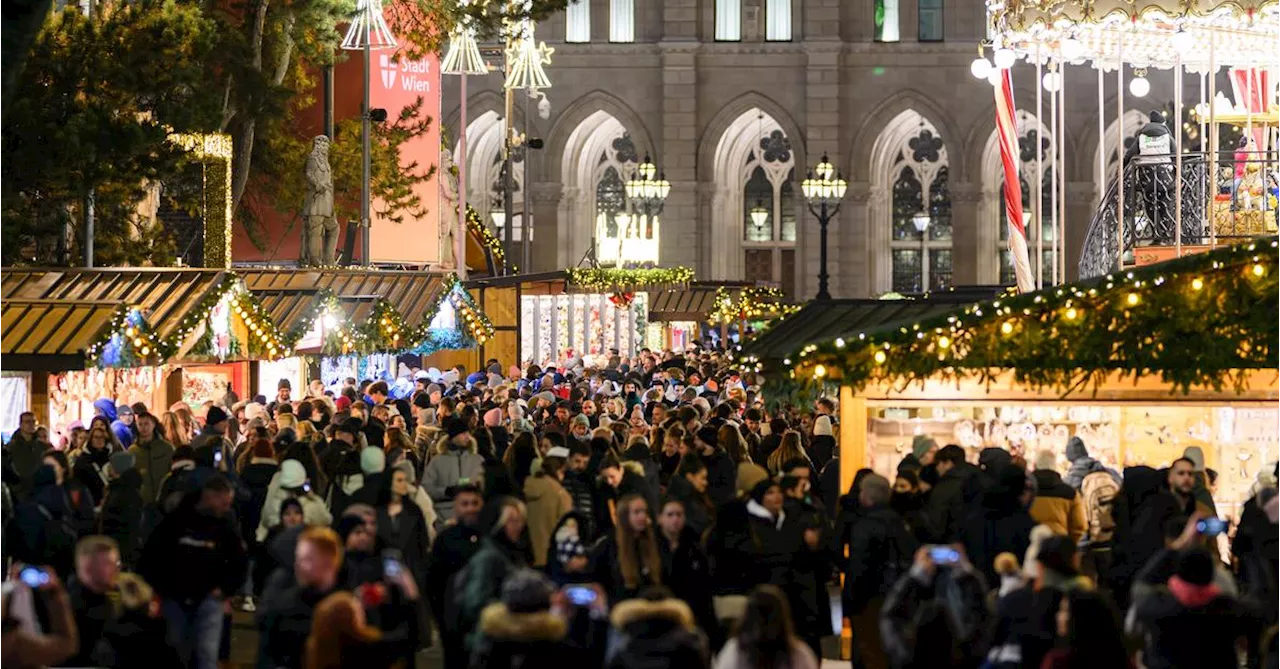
<point>1241,203</point>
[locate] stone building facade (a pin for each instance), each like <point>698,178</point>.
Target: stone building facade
<point>736,122</point>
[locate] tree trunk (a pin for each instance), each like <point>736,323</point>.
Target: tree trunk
<point>248,131</point>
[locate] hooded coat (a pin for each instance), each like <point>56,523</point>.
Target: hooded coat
<point>1000,525</point>
<point>122,515</point>
<point>657,635</point>
<point>547,502</point>
<point>534,640</point>
<point>152,459</point>
<point>1141,510</point>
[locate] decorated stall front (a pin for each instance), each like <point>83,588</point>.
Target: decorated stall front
<point>363,323</point>
<point>591,311</point>
<point>154,336</point>
<point>1140,365</point>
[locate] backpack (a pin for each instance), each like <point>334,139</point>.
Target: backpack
<point>1099,490</point>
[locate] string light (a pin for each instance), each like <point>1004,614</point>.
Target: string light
<point>1132,299</point>
<point>1071,313</point>
<point>1197,283</point>
<point>1007,327</point>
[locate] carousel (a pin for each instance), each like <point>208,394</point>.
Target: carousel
<point>1180,180</point>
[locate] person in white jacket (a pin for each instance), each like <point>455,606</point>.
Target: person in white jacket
<point>291,482</point>
<point>456,463</point>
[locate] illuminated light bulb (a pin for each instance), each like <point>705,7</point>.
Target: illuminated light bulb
<point>1197,283</point>
<point>980,68</point>
<point>880,357</point>
<point>819,371</point>
<point>1182,41</point>
<point>1006,327</point>
<point>128,332</point>
<point>1132,299</point>
<point>1139,86</point>
<point>1005,58</point>
<point>839,342</point>
<point>944,342</point>
<point>146,350</point>
<point>137,341</point>
<point>1259,270</point>
<point>1071,313</point>
<point>1052,81</point>
<point>1071,49</point>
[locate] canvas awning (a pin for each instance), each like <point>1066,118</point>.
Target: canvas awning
<point>288,293</point>
<point>694,303</point>
<point>164,296</point>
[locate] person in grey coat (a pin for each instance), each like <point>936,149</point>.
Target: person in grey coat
<point>1082,464</point>
<point>457,463</point>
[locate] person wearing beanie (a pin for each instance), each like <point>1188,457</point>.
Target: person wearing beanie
<point>1193,623</point>
<point>923,448</point>
<point>1083,465</point>
<point>822,446</point>
<point>291,483</point>
<point>372,461</point>
<point>457,462</point>
<point>1056,504</point>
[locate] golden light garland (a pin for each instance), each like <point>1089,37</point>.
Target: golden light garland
<point>620,280</point>
<point>214,151</point>
<point>1201,320</point>
<point>753,303</point>
<point>139,345</point>
<point>490,241</point>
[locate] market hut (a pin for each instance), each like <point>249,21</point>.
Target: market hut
<point>364,323</point>
<point>1140,365</point>
<point>575,311</point>
<point>172,334</point>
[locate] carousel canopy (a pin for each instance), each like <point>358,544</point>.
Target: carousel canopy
<point>1202,320</point>
<point>1152,33</point>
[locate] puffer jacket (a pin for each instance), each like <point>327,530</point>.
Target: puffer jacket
<point>547,501</point>
<point>314,511</point>
<point>1058,506</point>
<point>445,472</point>
<point>152,459</point>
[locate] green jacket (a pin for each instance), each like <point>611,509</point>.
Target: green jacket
<point>153,460</point>
<point>26,456</point>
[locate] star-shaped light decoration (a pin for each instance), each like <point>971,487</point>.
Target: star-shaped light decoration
<point>527,57</point>
<point>368,27</point>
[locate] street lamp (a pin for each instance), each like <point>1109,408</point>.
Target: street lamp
<point>647,190</point>
<point>525,57</point>
<point>368,32</point>
<point>921,221</point>
<point>462,58</point>
<point>759,215</point>
<point>823,189</point>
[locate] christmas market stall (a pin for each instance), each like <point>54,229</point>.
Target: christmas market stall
<point>1140,365</point>
<point>154,336</point>
<point>575,312</point>
<point>366,324</point>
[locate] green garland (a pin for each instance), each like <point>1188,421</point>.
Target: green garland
<point>620,280</point>
<point>475,323</point>
<point>490,240</point>
<point>1199,321</point>
<point>128,340</point>
<point>752,304</point>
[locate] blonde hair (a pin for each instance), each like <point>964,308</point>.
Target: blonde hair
<point>287,420</point>
<point>306,430</point>
<point>171,430</point>
<point>788,450</point>
<point>338,633</point>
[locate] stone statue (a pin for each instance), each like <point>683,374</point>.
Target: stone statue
<point>320,227</point>
<point>449,207</point>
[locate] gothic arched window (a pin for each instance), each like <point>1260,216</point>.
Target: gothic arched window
<point>920,212</point>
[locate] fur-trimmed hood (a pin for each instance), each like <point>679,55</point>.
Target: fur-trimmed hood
<point>497,622</point>
<point>638,610</point>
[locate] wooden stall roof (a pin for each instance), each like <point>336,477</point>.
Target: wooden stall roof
<point>287,293</point>
<point>694,303</point>
<point>827,319</point>
<point>164,296</point>
<point>52,327</point>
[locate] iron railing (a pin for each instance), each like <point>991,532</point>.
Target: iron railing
<point>1242,205</point>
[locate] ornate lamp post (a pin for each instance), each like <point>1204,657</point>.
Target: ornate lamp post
<point>524,60</point>
<point>463,58</point>
<point>647,190</point>
<point>823,190</point>
<point>368,32</point>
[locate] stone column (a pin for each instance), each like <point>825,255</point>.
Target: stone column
<point>855,262</point>
<point>682,230</point>
<point>544,199</point>
<point>965,252</point>
<point>1082,201</point>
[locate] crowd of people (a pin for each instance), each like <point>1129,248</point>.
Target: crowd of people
<point>625,513</point>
